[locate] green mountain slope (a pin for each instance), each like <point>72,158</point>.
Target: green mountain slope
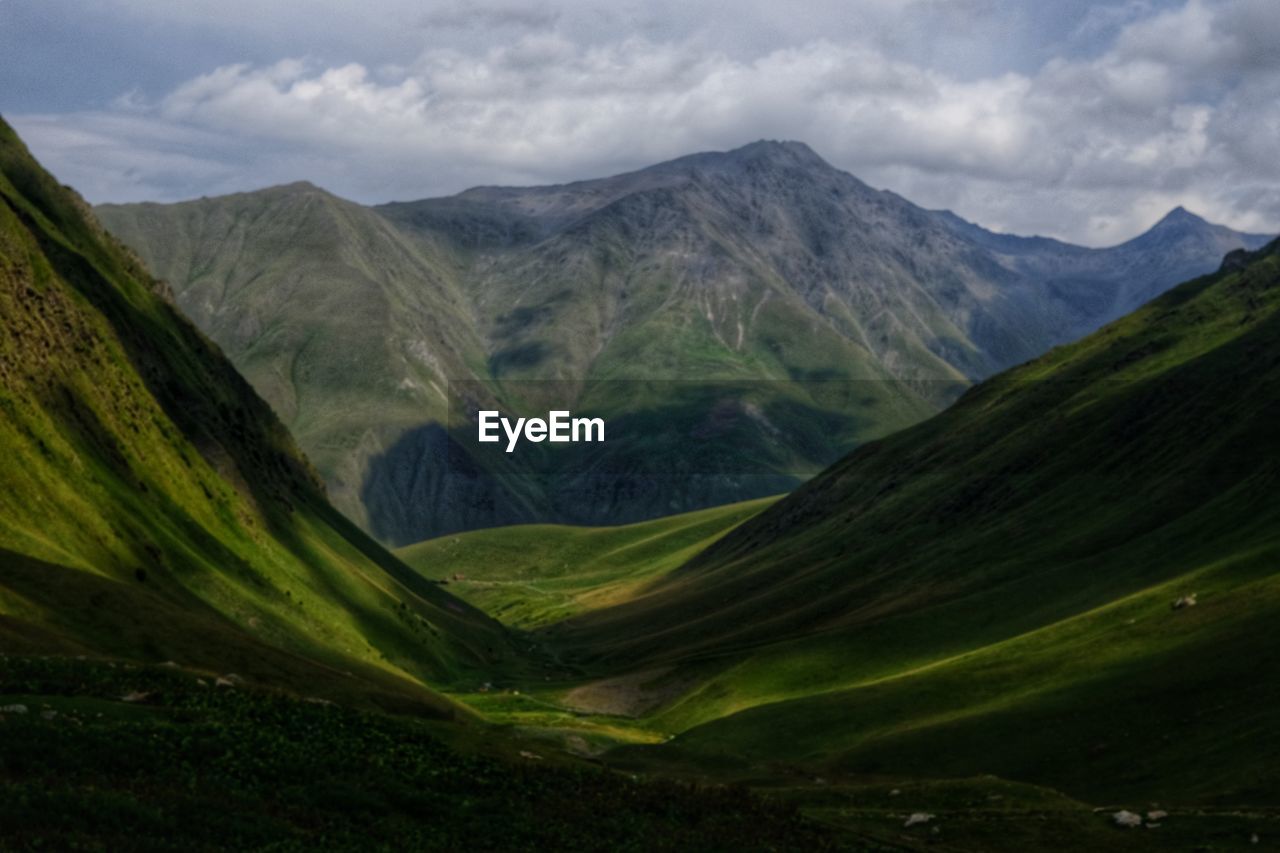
<point>993,591</point>
<point>151,505</point>
<point>349,331</point>
<point>764,267</point>
<point>537,574</point>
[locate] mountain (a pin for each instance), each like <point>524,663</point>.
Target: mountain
<point>816,312</point>
<point>1114,281</point>
<point>351,332</point>
<point>152,507</point>
<point>1065,579</point>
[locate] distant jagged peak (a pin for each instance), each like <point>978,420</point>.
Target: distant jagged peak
<point>293,190</point>
<point>1182,227</point>
<point>570,201</point>
<point>1181,223</point>
<point>781,154</point>
<point>296,188</point>
<point>787,150</point>
<point>295,195</point>
<point>1181,216</point>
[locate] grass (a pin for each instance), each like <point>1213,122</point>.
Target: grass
<point>533,575</point>
<point>114,755</point>
<point>1131,702</point>
<point>1019,495</point>
<point>181,764</point>
<point>993,815</point>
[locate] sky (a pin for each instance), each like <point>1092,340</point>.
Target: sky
<point>1085,121</point>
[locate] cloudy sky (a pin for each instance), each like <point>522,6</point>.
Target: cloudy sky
<point>1082,120</point>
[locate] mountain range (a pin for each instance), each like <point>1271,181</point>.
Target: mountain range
<point>762,268</point>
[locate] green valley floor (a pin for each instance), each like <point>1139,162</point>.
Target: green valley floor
<point>861,751</point>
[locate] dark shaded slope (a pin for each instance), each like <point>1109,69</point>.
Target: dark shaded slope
<point>149,478</point>
<point>262,771</point>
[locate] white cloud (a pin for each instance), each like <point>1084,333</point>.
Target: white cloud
<point>120,157</point>
<point>1183,106</point>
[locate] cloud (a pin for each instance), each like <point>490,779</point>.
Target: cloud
<point>490,15</point>
<point>1182,105</point>
<point>128,158</point>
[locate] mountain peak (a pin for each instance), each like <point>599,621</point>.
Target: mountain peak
<point>296,188</point>
<point>783,151</point>
<point>1181,216</point>
<point>1174,225</point>
<point>1180,224</point>
<point>763,155</point>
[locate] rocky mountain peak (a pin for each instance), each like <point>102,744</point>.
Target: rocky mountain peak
<point>788,152</point>
<point>1181,216</point>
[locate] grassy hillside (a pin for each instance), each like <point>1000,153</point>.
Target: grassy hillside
<point>536,574</point>
<point>151,505</point>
